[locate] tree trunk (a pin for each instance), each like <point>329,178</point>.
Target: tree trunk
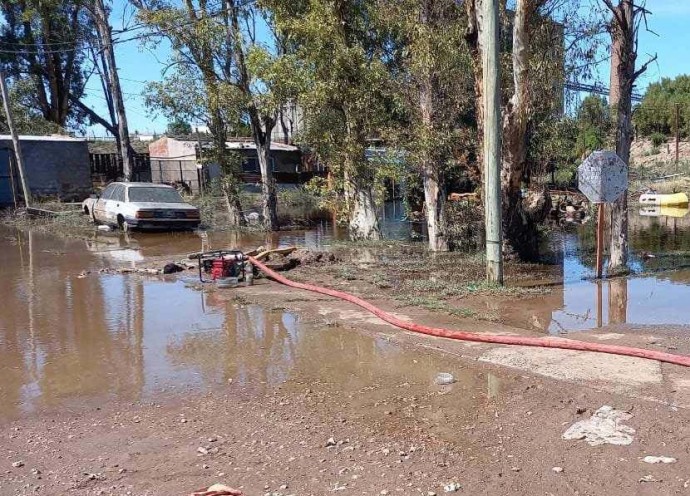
<point>472,37</point>
<point>232,203</point>
<point>364,224</point>
<point>520,234</point>
<point>359,185</point>
<point>622,80</point>
<point>269,203</point>
<point>101,19</point>
<point>434,195</point>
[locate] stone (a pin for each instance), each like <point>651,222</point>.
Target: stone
<point>659,459</point>
<point>330,442</point>
<point>18,464</point>
<point>557,470</point>
<point>451,487</point>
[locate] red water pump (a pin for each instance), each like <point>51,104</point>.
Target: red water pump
<point>221,264</point>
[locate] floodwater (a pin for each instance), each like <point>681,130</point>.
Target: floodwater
<point>655,294</point>
<point>69,340</point>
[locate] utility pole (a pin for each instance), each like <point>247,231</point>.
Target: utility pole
<point>677,133</point>
<point>492,141</point>
<point>15,139</point>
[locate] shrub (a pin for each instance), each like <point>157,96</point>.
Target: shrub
<point>658,139</point>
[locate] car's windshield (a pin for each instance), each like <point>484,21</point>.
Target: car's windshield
<point>143,194</point>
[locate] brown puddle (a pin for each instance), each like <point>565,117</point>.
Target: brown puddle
<point>68,341</point>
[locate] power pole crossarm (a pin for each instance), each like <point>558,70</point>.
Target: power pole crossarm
<point>15,140</point>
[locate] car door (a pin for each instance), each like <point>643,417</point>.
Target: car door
<point>113,203</point>
<point>99,207</point>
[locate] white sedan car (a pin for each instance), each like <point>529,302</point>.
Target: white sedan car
<point>142,206</point>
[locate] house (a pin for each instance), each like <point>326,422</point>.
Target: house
<point>180,160</point>
<point>55,166</point>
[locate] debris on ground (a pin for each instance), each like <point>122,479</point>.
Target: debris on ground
<point>444,379</point>
<point>452,487</point>
<point>659,459</point>
<point>307,257</point>
<point>557,470</point>
<point>172,268</point>
<point>605,426</point>
<point>649,478</point>
<point>217,490</point>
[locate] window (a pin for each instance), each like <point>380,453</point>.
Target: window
<point>108,191</point>
<point>148,194</point>
<point>118,193</point>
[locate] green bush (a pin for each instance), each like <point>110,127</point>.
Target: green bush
<point>658,139</point>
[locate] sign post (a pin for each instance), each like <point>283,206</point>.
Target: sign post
<point>602,178</point>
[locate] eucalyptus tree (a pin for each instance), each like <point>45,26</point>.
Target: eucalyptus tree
<point>431,68</point>
<point>241,73</point>
<point>346,95</point>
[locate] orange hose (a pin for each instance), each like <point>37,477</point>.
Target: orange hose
<point>545,342</point>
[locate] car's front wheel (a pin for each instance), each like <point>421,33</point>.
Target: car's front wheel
<point>122,223</point>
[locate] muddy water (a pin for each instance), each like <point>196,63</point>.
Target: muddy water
<point>67,340</point>
<point>74,341</point>
<point>656,294</point>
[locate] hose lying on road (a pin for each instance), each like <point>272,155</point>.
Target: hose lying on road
<point>545,342</point>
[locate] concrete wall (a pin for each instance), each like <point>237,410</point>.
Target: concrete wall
<point>55,167</point>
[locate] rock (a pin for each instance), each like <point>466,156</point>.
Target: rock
<point>212,439</point>
<point>201,450</point>
<point>659,459</point>
<point>172,268</point>
<point>451,487</point>
<point>605,426</point>
<point>104,228</point>
<point>330,442</point>
<point>384,491</point>
<point>649,478</point>
<point>18,464</point>
<point>557,470</point>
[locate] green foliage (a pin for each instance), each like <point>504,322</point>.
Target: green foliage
<point>657,112</point>
<point>45,62</point>
<point>595,125</point>
<point>658,139</point>
<point>179,127</point>
<point>346,86</point>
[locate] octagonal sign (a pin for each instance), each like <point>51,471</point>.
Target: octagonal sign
<point>602,177</point>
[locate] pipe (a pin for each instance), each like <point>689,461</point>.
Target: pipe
<point>545,342</point>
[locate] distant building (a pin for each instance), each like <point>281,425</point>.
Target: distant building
<point>56,167</point>
<point>176,160</point>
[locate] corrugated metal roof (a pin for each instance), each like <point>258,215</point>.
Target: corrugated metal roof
<point>28,137</point>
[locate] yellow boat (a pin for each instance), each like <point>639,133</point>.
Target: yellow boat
<point>661,200</point>
<point>671,211</point>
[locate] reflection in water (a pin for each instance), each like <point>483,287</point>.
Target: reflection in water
<point>66,339</point>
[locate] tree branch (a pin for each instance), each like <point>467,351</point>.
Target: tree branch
<point>644,67</point>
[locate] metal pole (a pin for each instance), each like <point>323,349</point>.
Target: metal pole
<point>600,240</point>
<point>677,133</point>
<point>492,141</point>
<point>15,139</point>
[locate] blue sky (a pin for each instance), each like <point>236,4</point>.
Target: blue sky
<point>670,19</point>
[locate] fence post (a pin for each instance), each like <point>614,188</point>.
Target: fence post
<point>179,162</point>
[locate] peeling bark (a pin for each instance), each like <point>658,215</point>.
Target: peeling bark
<point>472,37</point>
<point>520,236</point>
<point>434,194</point>
<point>623,56</point>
